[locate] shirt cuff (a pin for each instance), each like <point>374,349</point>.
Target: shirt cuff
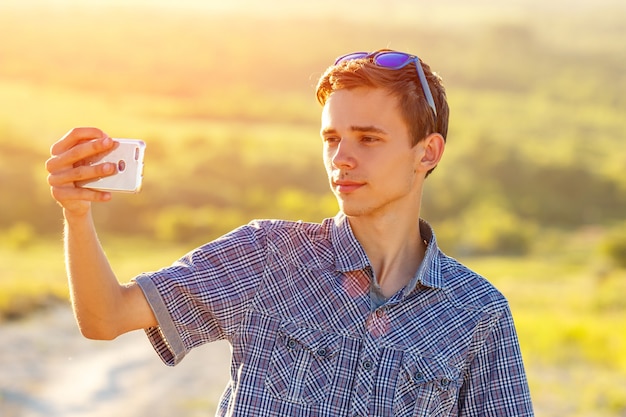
<point>165,339</point>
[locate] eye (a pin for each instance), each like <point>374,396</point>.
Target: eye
<point>331,140</point>
<point>369,139</point>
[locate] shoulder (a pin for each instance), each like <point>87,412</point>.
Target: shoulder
<point>268,229</point>
<point>469,290</point>
<point>299,243</point>
<point>276,229</point>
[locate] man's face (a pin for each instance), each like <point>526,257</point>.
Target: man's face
<point>369,160</point>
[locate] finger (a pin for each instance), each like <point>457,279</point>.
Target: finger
<point>65,196</point>
<point>78,153</point>
<point>68,177</point>
<point>74,136</point>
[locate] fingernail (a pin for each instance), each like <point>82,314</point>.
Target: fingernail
<point>106,141</point>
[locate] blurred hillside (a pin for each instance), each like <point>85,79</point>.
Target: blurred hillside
<point>223,94</point>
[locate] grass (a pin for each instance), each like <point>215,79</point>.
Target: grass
<point>32,273</point>
<point>31,276</point>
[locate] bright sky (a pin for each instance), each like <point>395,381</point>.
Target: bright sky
<point>390,11</point>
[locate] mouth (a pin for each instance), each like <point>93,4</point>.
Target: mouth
<point>346,187</point>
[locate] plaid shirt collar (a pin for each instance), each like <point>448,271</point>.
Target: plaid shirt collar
<point>350,255</point>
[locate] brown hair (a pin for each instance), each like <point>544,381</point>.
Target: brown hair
<point>404,83</point>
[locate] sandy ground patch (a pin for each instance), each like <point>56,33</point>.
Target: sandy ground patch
<point>48,369</point>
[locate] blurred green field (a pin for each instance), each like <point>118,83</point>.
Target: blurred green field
<point>531,192</point>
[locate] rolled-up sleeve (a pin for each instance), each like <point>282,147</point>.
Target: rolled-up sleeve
<point>203,296</point>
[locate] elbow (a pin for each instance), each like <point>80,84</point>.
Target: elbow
<point>97,335</point>
<point>97,332</point>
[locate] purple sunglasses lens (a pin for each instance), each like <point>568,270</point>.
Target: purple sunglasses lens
<point>392,59</point>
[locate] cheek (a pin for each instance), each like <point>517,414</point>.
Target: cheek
<point>404,171</point>
<point>327,160</point>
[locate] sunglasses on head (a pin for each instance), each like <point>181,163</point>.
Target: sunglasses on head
<point>394,60</point>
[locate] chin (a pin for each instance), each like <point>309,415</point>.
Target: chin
<point>353,210</point>
<point>354,207</point>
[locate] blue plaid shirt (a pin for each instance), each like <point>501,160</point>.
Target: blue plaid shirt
<point>295,302</point>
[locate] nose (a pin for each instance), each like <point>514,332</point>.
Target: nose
<point>342,156</point>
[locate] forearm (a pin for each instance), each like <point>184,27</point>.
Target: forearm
<point>95,291</point>
<point>103,308</point>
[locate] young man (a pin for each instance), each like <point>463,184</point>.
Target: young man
<point>361,315</point>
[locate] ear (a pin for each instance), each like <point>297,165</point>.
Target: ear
<point>432,147</point>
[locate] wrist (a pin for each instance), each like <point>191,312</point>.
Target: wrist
<point>77,216</point>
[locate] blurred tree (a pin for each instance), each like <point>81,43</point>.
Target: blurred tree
<point>614,245</point>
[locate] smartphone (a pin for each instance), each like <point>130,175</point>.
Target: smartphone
<point>127,155</point>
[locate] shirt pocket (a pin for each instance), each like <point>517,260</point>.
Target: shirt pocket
<point>302,365</point>
<point>425,387</point>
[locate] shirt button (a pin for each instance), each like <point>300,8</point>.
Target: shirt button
<point>380,312</point>
<point>291,343</point>
<point>321,352</point>
<point>367,365</point>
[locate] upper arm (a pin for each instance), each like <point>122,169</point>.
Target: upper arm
<point>136,311</point>
<point>495,382</point>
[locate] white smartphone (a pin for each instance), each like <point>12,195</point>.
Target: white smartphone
<point>127,155</point>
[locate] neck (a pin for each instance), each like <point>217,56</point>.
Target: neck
<point>394,247</point>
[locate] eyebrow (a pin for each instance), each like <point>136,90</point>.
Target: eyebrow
<point>362,129</point>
